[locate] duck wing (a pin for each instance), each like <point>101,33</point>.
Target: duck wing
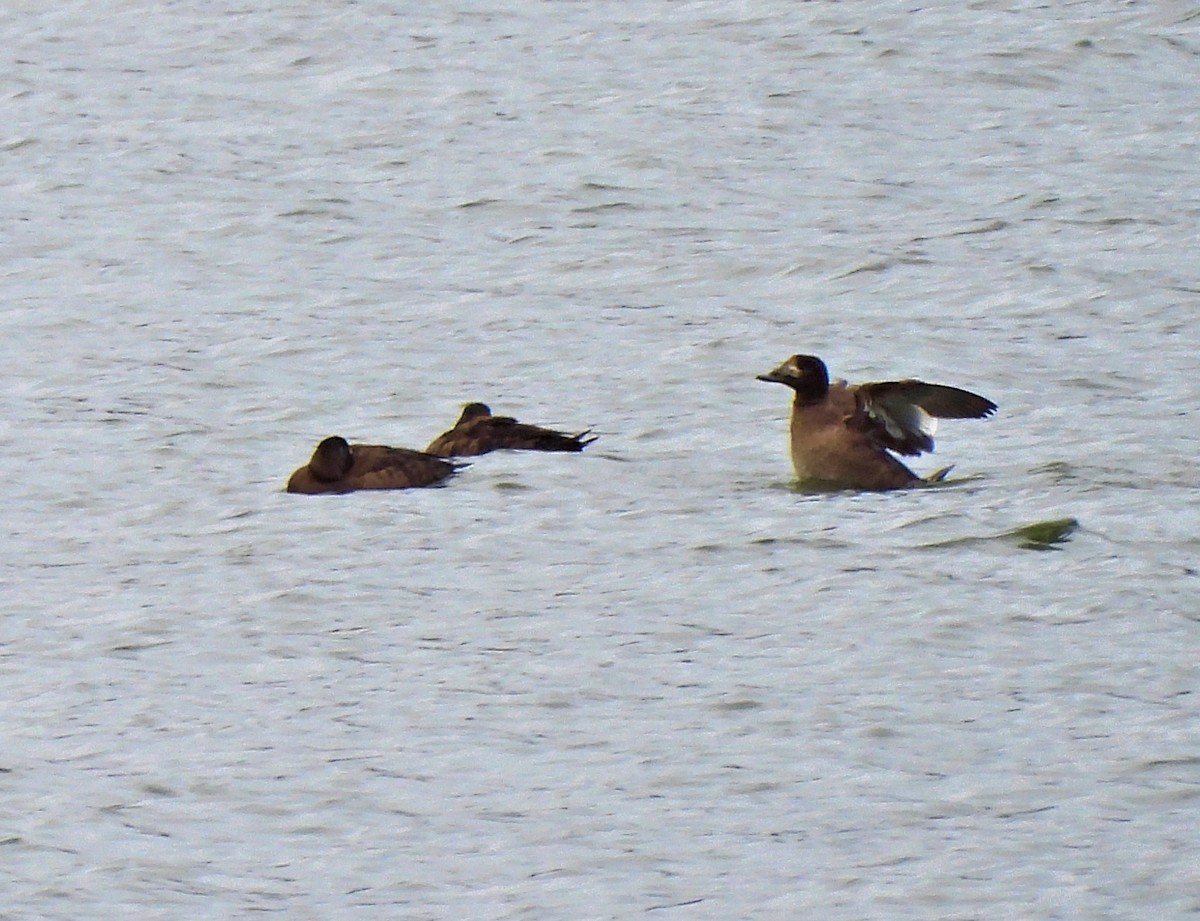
<point>493,433</point>
<point>902,415</point>
<point>521,436</point>
<point>382,467</point>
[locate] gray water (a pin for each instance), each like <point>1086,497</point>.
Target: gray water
<point>655,679</point>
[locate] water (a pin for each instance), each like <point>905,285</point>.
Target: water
<point>652,679</point>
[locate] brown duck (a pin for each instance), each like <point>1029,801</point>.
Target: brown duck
<point>478,432</point>
<point>338,466</point>
<point>842,434</point>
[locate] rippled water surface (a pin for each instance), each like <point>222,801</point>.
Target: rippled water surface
<point>651,680</point>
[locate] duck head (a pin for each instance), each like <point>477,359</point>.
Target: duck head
<point>473,411</point>
<point>805,374</point>
<point>332,459</point>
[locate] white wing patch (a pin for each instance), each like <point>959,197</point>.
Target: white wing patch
<point>905,422</point>
<point>903,419</point>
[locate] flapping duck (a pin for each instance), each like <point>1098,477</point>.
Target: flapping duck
<point>478,432</point>
<point>842,434</point>
<point>338,466</point>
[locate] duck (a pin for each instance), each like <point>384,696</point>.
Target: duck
<point>339,467</point>
<point>477,431</point>
<point>843,435</point>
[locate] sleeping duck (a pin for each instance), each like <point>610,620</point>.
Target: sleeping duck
<point>478,432</point>
<point>338,466</point>
<point>842,434</point>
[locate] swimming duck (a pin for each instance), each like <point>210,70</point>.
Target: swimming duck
<point>842,434</point>
<point>338,466</point>
<point>477,431</point>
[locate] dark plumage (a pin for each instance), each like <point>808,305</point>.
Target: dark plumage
<point>478,432</point>
<point>842,434</point>
<point>338,466</point>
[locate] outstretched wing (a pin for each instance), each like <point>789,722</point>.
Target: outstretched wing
<point>902,415</point>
